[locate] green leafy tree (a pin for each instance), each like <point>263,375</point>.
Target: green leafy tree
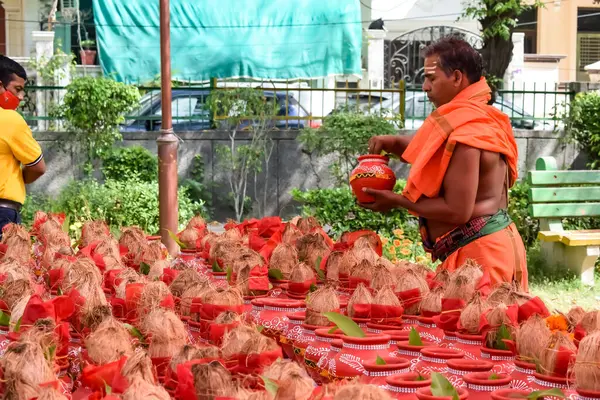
<point>498,19</point>
<point>93,109</point>
<point>582,125</point>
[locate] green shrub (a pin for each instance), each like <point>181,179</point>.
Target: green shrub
<point>583,126</point>
<point>337,208</point>
<point>518,208</point>
<point>130,163</point>
<point>120,204</point>
<point>34,202</point>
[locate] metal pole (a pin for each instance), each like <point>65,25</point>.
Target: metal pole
<point>167,141</point>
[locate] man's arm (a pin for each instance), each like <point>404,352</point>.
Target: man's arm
<point>460,190</point>
<point>31,173</point>
<point>394,144</point>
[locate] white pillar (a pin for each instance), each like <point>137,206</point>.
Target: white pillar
<point>375,61</point>
<point>513,77</point>
<point>44,50</point>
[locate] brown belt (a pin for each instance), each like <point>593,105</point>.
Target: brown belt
<point>13,205</point>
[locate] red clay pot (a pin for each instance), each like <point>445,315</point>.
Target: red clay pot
<point>408,352</point>
<point>545,382</point>
<point>348,363</point>
<point>303,341</point>
<point>375,374</point>
<point>458,368</point>
<point>429,330</point>
<point>523,375</point>
<point>470,344</point>
<point>435,359</point>
<point>504,360</point>
<point>405,386</point>
<point>480,386</point>
<point>272,315</point>
<point>373,327</point>
<point>293,332</point>
<point>588,394</point>
<point>425,394</point>
<point>371,172</point>
<point>509,394</point>
<point>317,352</point>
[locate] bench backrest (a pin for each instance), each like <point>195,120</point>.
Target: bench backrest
<point>556,194</point>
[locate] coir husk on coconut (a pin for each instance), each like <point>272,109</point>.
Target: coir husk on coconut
<point>463,281</point>
<point>109,342</point>
<point>361,295</point>
<point>284,258</point>
<point>86,278</point>
<point>295,386</point>
<point>196,290</point>
<point>189,237</point>
<point>347,263</point>
<point>139,366</point>
<point>167,333</point>
<point>18,241</point>
<point>363,392</point>
<point>307,224</point>
<point>91,317</point>
<point>432,302</point>
<point>312,247</point>
<point>14,291</point>
<point>140,389</point>
<point>234,340</point>
<point>591,321</point>
<point>184,280</point>
<point>574,316</point>
<point>212,380</point>
<point>363,250</point>
<point>242,265</point>
<point>290,234</point>
<point>364,270</point>
<point>587,366</point>
<point>108,248</point>
<point>500,293</point>
<point>190,352</point>
<point>133,238</point>
<point>382,276</point>
<point>409,281</point>
<point>152,295</point>
<point>471,315</point>
<point>24,368</point>
<point>321,301</point>
<point>302,272</point>
<point>126,276</point>
<point>550,354</point>
<point>93,231</point>
<point>157,269</point>
<point>386,297</point>
<point>531,338</point>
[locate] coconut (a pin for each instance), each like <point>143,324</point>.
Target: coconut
<point>13,269</point>
<point>587,366</point>
<point>497,316</point>
<point>281,369</point>
<point>432,302</point>
<point>290,234</point>
<point>384,262</point>
<point>153,293</point>
<point>185,354</point>
<point>500,293</point>
<point>50,393</point>
<point>196,222</point>
<point>332,265</point>
<point>14,291</point>
<point>18,242</point>
<point>139,366</point>
<point>386,297</point>
<point>364,270</point>
<point>347,263</point>
<point>258,344</point>
<point>209,238</point>
<point>92,317</point>
<point>133,238</point>
<point>168,333</point>
<point>17,310</point>
<point>108,248</point>
<point>549,354</point>
<point>284,258</point>
<point>212,380</point>
<point>49,228</point>
<point>591,321</point>
<point>247,394</point>
<point>232,234</point>
<point>42,333</point>
<point>302,272</point>
<point>86,278</point>
<point>140,389</point>
<point>471,315</point>
<point>189,237</point>
<point>157,268</point>
<point>295,386</point>
<point>442,277</point>
<point>195,291</point>
<point>307,224</point>
<point>242,265</point>
<point>225,250</point>
<point>531,337</point>
<point>234,340</point>
<point>518,297</point>
<point>126,276</point>
<point>420,269</point>
<point>363,250</point>
<point>184,280</point>
<point>225,297</point>
<point>574,316</point>
<point>109,342</point>
<point>409,281</point>
<point>312,247</point>
<point>150,253</point>
<point>460,287</point>
<point>361,295</point>
<point>362,392</point>
<point>93,231</point>
<point>227,317</point>
<point>24,368</point>
<point>321,301</point>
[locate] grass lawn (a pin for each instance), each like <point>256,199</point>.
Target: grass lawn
<point>559,288</point>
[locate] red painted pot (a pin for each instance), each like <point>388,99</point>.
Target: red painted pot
<point>458,368</point>
<point>302,342</point>
<point>545,382</point>
<point>509,394</point>
<point>410,321</point>
<point>373,327</point>
<point>405,386</point>
<point>273,317</point>
<point>588,394</point>
<point>371,172</point>
<point>411,353</point>
<point>257,307</point>
<point>470,344</point>
<point>189,254</point>
<point>348,363</point>
<point>425,394</point>
<point>375,374</point>
<point>429,330</point>
<point>523,375</point>
<point>396,337</point>
<point>317,352</point>
<point>293,331</point>
<point>504,360</point>
<point>435,359</point>
<point>326,361</point>
<point>480,386</point>
<point>449,337</point>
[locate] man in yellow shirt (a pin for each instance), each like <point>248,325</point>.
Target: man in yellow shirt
<point>21,159</point>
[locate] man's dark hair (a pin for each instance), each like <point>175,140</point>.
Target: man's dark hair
<point>8,68</point>
<point>456,54</point>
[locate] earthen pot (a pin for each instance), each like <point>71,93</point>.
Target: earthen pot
<point>371,172</point>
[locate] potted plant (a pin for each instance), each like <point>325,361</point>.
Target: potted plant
<point>88,56</point>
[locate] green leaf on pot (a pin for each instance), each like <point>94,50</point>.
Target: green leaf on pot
<point>270,386</point>
<point>414,339</point>
<point>388,155</point>
<point>441,387</point>
<point>540,394</point>
<point>49,354</point>
<point>67,224</point>
<point>380,361</point>
<point>4,319</point>
<point>229,272</point>
<point>276,274</point>
<point>260,328</point>
<point>18,325</point>
<point>346,325</point>
<point>313,287</point>
<point>107,388</point>
<point>216,267</point>
<point>420,378</point>
<point>135,332</point>
<point>502,334</point>
<point>318,269</point>
<point>176,239</point>
<point>493,377</point>
<point>332,330</point>
<point>144,268</point>
<point>59,291</point>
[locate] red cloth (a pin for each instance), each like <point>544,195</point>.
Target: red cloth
<point>169,275</point>
<point>350,238</point>
<point>484,286</point>
<point>512,313</point>
<point>59,309</point>
<point>267,250</point>
<point>267,226</point>
<point>449,319</point>
<point>409,297</point>
<point>259,278</point>
<point>379,312</point>
<point>256,363</point>
<point>255,241</point>
<point>361,310</point>
<point>533,306</point>
<point>96,377</point>
<point>185,380</point>
<point>328,240</point>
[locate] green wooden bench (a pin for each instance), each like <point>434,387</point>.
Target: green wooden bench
<point>556,194</point>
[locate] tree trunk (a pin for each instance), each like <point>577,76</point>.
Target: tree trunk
<point>497,55</point>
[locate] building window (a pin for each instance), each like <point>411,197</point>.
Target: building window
<point>527,24</point>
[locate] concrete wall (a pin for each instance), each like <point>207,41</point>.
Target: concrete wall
<point>289,167</point>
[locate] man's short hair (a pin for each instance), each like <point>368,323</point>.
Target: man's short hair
<point>456,54</point>
<point>8,68</point>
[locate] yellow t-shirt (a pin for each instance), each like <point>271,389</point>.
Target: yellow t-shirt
<point>17,148</point>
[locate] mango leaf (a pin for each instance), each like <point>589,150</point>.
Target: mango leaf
<point>493,377</point>
<point>332,330</point>
<point>380,361</point>
<point>216,267</point>
<point>107,388</point>
<point>502,334</point>
<point>420,378</point>
<point>176,239</point>
<point>18,325</point>
<point>441,387</point>
<point>349,327</point>
<point>313,287</point>
<point>260,328</point>
<point>144,268</point>
<point>388,155</point>
<point>67,224</point>
<point>59,291</point>
<point>270,386</point>
<point>275,274</point>
<point>115,232</point>
<point>229,272</point>
<point>540,394</point>
<point>318,269</point>
<point>4,319</point>
<point>135,332</point>
<point>49,354</point>
<point>414,339</point>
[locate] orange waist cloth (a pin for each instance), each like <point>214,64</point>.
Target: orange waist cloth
<point>502,255</point>
<point>467,119</point>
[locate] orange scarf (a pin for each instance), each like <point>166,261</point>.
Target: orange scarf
<point>467,119</point>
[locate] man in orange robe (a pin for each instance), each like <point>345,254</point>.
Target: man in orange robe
<point>464,160</point>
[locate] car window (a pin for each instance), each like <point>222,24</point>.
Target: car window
<point>183,107</point>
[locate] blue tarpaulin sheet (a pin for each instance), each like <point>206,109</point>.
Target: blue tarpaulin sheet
<point>267,39</point>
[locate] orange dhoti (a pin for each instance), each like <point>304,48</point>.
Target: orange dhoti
<point>501,254</point>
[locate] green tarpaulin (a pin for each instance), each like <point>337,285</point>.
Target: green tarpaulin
<point>269,39</point>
